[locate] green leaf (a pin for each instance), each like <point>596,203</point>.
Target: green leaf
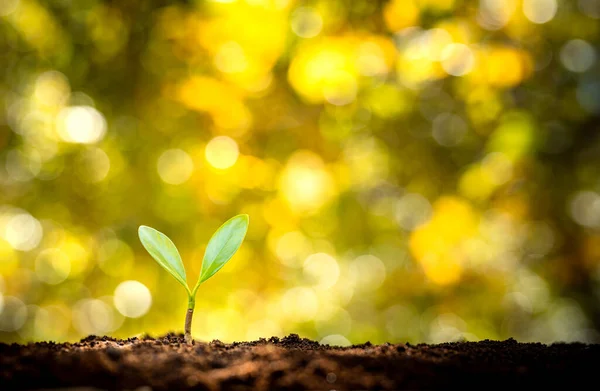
<point>164,252</point>
<point>223,244</point>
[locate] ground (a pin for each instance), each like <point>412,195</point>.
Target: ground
<point>293,363</point>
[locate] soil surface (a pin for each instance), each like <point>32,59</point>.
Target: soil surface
<point>293,363</point>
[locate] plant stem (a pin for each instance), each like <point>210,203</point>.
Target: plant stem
<point>188,319</point>
<point>188,326</point>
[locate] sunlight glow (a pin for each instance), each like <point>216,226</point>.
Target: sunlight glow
<point>305,183</point>
<point>81,124</point>
<point>222,152</point>
<point>132,299</point>
<point>540,11</point>
<point>21,230</point>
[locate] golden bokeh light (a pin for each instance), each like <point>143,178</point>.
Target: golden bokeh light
<point>175,166</point>
<point>222,152</point>
<point>52,88</point>
<point>81,124</point>
<point>306,22</point>
<point>13,314</point>
<point>367,272</point>
<point>540,11</point>
<point>578,55</point>
<point>94,316</point>
<point>94,165</point>
<point>132,299</point>
<point>19,229</point>
<point>305,182</point>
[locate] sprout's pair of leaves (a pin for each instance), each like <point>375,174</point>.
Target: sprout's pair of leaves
<point>221,247</point>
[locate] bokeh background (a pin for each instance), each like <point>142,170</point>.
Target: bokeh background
<point>415,170</point>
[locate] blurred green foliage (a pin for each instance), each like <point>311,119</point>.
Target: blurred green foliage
<point>418,170</point>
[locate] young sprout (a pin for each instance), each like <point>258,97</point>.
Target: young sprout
<point>221,247</point>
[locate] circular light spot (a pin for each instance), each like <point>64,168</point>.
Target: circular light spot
<point>539,11</point>
<point>577,55</point>
<point>413,42</point>
<point>335,340</point>
<point>22,231</point>
<point>306,22</point>
<point>132,299</point>
<point>495,14</point>
<point>175,166</point>
<point>435,41</point>
<point>13,314</point>
<point>93,317</point>
<point>300,304</point>
<point>305,182</point>
<point>367,272</point>
<point>457,59</point>
<point>81,124</point>
<point>52,88</point>
<point>322,269</point>
<point>52,266</point>
<point>93,165</point>
<point>230,58</point>
<point>222,152</point>
<point>449,129</point>
<point>585,209</point>
<point>412,210</point>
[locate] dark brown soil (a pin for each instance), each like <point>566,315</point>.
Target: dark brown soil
<point>293,363</point>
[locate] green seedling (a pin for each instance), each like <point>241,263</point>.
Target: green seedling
<point>221,247</point>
